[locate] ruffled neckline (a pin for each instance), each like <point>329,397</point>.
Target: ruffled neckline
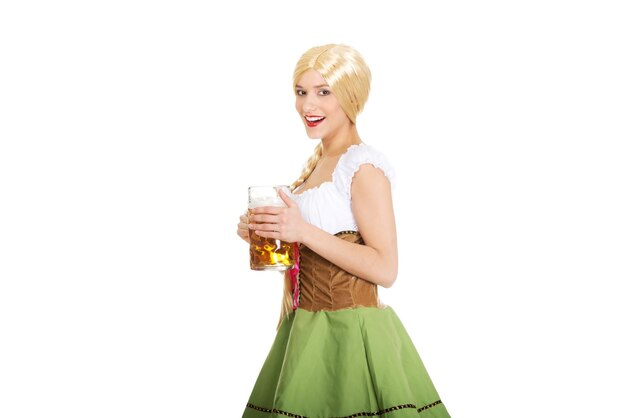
<point>328,182</point>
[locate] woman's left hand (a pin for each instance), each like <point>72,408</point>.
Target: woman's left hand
<point>285,224</point>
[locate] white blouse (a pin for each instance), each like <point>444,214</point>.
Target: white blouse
<point>329,205</point>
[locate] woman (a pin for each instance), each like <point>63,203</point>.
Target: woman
<point>338,352</point>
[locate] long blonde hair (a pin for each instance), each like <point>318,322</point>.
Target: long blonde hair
<point>349,77</point>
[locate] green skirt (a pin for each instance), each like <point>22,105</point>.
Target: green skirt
<point>357,362</point>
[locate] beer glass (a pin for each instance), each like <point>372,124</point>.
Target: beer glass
<point>268,253</point>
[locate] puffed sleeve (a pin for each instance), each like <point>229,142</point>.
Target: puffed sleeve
<point>352,160</point>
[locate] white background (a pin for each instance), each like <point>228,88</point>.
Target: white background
<point>130,131</point>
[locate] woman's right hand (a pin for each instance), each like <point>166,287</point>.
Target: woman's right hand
<point>242,228</point>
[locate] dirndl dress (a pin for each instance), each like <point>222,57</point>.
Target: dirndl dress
<point>341,353</point>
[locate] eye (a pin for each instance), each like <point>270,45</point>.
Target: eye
<point>324,92</point>
<point>300,92</point>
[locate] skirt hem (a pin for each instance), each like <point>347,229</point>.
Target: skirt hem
<point>358,414</point>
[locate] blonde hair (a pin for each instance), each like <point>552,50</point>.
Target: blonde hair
<point>349,77</point>
<point>345,71</point>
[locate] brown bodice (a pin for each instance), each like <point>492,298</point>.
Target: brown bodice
<point>326,287</point>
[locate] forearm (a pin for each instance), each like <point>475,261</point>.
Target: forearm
<point>363,261</point>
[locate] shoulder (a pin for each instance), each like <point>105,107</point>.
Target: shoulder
<point>355,157</point>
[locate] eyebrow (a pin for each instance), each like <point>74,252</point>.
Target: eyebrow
<point>317,87</point>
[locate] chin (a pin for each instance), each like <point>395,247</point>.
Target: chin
<point>313,135</point>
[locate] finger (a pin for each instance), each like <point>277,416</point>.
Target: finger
<point>290,203</point>
<point>268,234</point>
<point>263,227</point>
<point>265,218</point>
<point>244,219</point>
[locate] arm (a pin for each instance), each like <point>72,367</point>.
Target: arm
<point>377,260</point>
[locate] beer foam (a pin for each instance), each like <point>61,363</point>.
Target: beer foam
<point>264,196</point>
<point>265,201</point>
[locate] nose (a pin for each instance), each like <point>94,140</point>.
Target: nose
<point>310,103</point>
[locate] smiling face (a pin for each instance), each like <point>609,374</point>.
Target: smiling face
<point>318,107</point>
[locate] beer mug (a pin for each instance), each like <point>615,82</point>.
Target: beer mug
<point>268,253</point>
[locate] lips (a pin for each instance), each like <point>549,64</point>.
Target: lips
<point>312,121</point>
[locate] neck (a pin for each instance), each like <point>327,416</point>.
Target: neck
<point>338,143</point>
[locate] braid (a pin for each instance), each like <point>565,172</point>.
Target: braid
<point>349,77</point>
<point>309,167</point>
<point>287,305</point>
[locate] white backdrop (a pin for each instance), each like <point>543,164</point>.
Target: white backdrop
<point>130,131</point>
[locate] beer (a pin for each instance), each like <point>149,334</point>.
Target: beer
<point>268,253</point>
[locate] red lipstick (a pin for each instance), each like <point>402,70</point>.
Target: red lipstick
<point>313,121</point>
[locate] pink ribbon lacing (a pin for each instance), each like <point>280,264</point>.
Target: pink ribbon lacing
<point>293,275</point>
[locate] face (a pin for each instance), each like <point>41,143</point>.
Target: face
<point>318,107</point>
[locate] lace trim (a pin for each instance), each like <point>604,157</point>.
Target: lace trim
<point>361,154</point>
<point>360,414</point>
<point>347,232</point>
<point>274,411</point>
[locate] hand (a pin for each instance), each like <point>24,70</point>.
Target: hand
<point>285,224</point>
<point>242,228</point>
